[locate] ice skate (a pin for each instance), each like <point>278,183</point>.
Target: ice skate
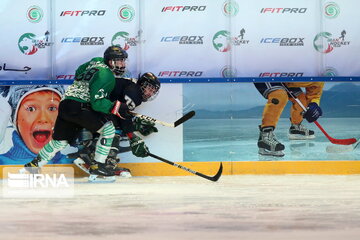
<point>268,144</point>
<point>300,132</point>
<point>110,165</point>
<point>100,173</point>
<point>32,167</point>
<point>118,171</point>
<point>80,163</point>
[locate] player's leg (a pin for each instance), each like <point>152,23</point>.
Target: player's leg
<point>113,160</point>
<point>97,122</point>
<point>276,101</point>
<point>297,130</point>
<point>121,128</point>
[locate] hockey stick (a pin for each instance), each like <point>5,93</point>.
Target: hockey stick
<point>211,178</point>
<point>342,148</point>
<point>347,141</point>
<point>173,125</point>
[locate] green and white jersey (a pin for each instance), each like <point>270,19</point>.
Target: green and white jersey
<point>93,83</point>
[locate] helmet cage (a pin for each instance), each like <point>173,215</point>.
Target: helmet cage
<point>118,71</point>
<point>113,54</point>
<point>149,91</point>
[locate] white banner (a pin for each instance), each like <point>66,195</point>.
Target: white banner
<point>26,38</point>
<point>182,38</point>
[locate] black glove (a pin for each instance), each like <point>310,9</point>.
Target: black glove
<point>313,112</point>
<point>144,127</point>
<point>138,146</point>
<point>121,110</point>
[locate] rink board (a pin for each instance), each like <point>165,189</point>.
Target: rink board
<point>236,168</point>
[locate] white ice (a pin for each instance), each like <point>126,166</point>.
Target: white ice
<point>310,207</point>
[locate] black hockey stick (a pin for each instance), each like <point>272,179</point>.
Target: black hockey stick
<point>167,124</point>
<point>211,178</point>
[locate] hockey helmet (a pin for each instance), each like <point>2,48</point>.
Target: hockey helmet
<point>149,85</point>
<point>113,54</point>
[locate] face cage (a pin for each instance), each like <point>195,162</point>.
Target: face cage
<point>148,91</point>
<point>118,71</point>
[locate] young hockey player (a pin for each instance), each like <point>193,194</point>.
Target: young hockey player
<point>87,105</point>
<point>132,92</point>
<point>277,98</point>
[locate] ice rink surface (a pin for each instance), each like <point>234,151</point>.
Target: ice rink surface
<point>236,207</point>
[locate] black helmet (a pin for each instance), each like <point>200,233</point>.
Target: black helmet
<point>149,85</point>
<point>114,53</point>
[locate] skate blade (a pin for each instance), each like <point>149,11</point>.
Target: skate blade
<point>82,165</point>
<point>125,174</point>
<point>300,137</point>
<point>101,179</point>
<point>342,148</point>
<point>265,152</point>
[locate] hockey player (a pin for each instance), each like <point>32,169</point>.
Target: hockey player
<point>87,105</point>
<point>131,92</point>
<point>277,98</point>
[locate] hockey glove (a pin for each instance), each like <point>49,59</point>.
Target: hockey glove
<point>121,110</point>
<point>144,127</point>
<point>138,147</point>
<point>313,112</point>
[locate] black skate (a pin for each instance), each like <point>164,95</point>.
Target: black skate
<point>33,166</point>
<point>300,132</point>
<point>111,165</point>
<point>83,157</point>
<point>118,171</point>
<point>268,144</point>
<point>100,173</point>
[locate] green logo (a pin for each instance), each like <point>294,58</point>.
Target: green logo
<point>322,42</point>
<point>230,8</point>
<point>330,72</point>
<point>26,44</point>
<point>332,10</point>
<point>34,14</point>
<point>228,72</point>
<point>29,43</point>
<point>120,39</point>
<point>222,41</point>
<point>126,13</point>
<point>123,40</point>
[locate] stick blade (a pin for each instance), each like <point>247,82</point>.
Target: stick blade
<point>342,148</point>
<point>184,118</point>
<point>348,141</point>
<point>215,177</point>
<point>218,174</point>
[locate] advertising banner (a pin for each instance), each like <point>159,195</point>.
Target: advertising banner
<point>182,39</point>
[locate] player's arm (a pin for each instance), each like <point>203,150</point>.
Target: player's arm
<point>313,94</point>
<point>100,85</point>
